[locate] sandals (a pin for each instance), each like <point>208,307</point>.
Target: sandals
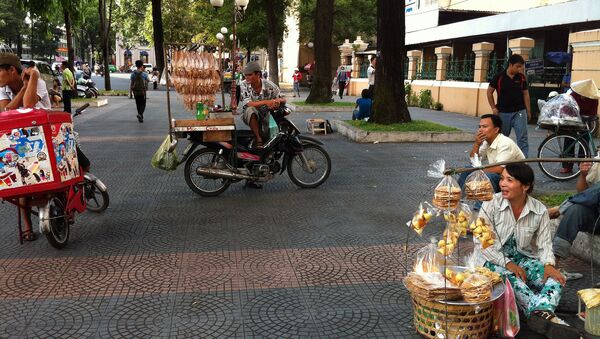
<point>29,236</point>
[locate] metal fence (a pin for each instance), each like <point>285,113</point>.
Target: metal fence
<point>461,70</point>
<point>426,70</point>
<point>363,70</point>
<point>496,65</point>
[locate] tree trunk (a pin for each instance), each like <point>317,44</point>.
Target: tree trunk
<point>159,35</point>
<point>104,39</point>
<point>389,104</point>
<point>320,91</point>
<point>272,43</point>
<point>69,33</point>
<point>248,54</point>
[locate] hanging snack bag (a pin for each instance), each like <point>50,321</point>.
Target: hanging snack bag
<point>458,221</point>
<point>448,243</point>
<point>483,232</point>
<point>477,185</point>
<point>426,259</point>
<point>447,193</point>
<point>422,217</point>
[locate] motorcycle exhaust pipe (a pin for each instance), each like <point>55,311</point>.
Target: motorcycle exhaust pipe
<point>221,173</point>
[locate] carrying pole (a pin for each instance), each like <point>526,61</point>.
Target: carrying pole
<point>168,90</point>
<point>459,170</point>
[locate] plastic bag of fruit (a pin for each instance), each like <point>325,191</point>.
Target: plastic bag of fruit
<point>422,217</point>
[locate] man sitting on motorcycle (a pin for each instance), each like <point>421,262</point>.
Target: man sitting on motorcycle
<point>254,93</point>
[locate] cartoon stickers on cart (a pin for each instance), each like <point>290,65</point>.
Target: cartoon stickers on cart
<point>23,158</point>
<point>63,140</point>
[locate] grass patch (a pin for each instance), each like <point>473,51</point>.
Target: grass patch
<point>83,99</point>
<point>413,126</point>
<point>114,93</point>
<point>555,199</point>
<point>330,104</point>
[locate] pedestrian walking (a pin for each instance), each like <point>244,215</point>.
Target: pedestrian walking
<point>139,86</point>
<point>68,86</point>
<point>371,77</point>
<point>513,104</point>
<point>297,78</point>
<point>154,80</point>
<point>342,77</point>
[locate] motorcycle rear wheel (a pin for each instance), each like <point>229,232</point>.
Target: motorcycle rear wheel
<point>206,187</point>
<point>96,199</point>
<point>306,177</point>
<point>58,236</point>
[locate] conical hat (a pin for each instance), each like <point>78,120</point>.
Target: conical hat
<point>586,88</point>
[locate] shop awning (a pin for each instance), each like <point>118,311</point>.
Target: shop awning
<point>144,53</point>
<point>128,52</point>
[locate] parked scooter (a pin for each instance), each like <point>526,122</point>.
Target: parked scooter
<point>86,88</point>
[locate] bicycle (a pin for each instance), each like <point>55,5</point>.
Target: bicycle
<point>567,142</point>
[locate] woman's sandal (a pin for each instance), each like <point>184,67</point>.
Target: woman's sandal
<point>29,236</point>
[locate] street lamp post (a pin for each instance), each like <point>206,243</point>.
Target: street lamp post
<point>221,39</point>
<point>238,12</point>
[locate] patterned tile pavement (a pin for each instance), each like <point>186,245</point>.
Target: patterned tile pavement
<point>277,262</point>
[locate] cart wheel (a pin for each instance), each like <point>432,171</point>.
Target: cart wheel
<point>96,199</point>
<point>58,236</point>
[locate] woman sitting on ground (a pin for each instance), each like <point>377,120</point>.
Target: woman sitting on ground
<point>364,106</point>
<point>55,93</point>
<point>523,248</point>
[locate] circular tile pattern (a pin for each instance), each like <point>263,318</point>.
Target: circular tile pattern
<point>279,313</point>
<point>205,316</point>
<point>206,270</point>
<point>374,264</point>
<point>156,274</point>
<point>86,276</point>
<point>164,239</point>
<point>319,267</point>
<point>341,313</point>
<point>268,269</point>
<point>63,319</point>
<point>13,317</point>
<point>147,317</point>
<point>30,279</point>
<point>110,241</point>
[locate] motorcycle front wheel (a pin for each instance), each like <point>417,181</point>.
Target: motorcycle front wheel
<point>205,186</point>
<point>310,168</point>
<point>58,236</point>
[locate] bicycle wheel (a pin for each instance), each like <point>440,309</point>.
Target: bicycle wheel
<point>561,146</point>
<point>96,199</point>
<point>205,186</point>
<point>58,236</point>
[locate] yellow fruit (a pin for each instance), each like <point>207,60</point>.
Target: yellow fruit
<point>441,243</point>
<point>472,226</point>
<point>427,216</point>
<point>459,278</point>
<point>477,231</point>
<point>449,273</point>
<point>490,241</point>
<point>461,214</point>
<point>479,222</point>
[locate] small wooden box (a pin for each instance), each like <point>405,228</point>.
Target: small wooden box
<point>212,129</point>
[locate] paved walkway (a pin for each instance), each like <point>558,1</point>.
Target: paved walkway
<point>277,262</point>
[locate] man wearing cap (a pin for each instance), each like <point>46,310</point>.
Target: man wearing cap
<point>21,88</point>
<point>579,212</point>
<point>256,92</point>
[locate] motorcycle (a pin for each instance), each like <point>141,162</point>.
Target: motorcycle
<point>86,88</point>
<point>210,170</point>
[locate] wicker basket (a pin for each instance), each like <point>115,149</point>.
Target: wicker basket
<point>438,320</point>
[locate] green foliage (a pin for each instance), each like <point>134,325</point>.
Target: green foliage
<point>413,126</point>
<point>438,106</point>
<point>425,99</point>
<point>131,16</point>
<point>12,22</point>
<point>114,93</point>
<point>352,18</point>
<point>556,199</point>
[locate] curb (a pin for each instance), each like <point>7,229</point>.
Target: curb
<point>320,109</point>
<point>95,103</point>
<point>361,136</point>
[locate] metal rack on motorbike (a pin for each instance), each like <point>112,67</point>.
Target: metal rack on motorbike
<point>229,155</point>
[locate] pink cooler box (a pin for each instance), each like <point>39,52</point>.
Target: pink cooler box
<point>37,152</point>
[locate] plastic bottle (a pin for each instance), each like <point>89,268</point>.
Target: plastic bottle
<point>205,112</point>
<point>200,111</point>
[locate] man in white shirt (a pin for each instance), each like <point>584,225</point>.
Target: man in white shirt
<point>492,145</point>
<point>21,88</point>
<point>371,77</point>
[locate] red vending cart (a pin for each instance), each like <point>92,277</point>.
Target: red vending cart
<point>38,162</point>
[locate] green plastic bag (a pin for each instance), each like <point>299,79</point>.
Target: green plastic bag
<point>163,159</point>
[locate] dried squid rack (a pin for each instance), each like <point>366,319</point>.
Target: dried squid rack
<point>196,75</point>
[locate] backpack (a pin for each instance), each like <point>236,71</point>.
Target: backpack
<point>139,84</point>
